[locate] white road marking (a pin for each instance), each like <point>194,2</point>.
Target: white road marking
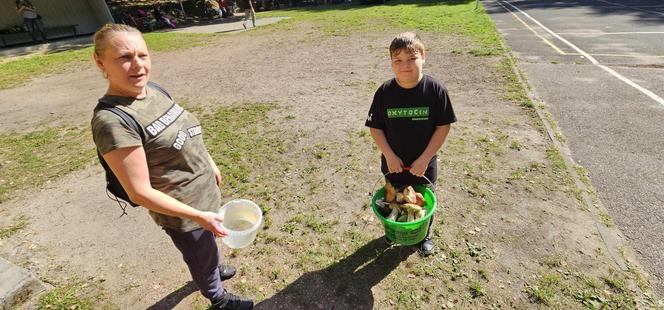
<point>594,61</point>
<point>560,51</point>
<point>609,33</point>
<point>621,55</point>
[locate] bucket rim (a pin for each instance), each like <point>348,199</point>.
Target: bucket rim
<point>247,202</point>
<point>418,221</point>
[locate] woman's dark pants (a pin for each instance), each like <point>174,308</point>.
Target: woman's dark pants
<point>199,250</point>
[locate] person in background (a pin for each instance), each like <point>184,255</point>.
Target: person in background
<point>31,19</point>
<point>160,18</point>
<point>127,19</point>
<point>249,13</point>
<point>213,5</point>
<point>144,21</point>
<point>223,5</point>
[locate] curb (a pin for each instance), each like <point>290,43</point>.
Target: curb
<point>610,238</point>
<point>17,285</point>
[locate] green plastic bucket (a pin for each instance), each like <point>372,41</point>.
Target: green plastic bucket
<point>407,233</point>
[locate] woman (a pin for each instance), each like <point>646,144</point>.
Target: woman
<point>170,173</point>
<point>31,19</point>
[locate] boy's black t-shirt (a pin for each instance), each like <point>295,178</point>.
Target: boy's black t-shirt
<point>409,117</point>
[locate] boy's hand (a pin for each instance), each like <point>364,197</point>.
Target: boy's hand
<point>419,167</point>
<point>394,164</point>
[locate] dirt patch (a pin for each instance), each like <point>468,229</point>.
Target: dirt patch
<point>508,218</point>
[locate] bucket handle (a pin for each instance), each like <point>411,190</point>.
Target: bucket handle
<point>405,168</point>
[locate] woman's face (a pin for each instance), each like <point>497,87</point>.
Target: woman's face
<point>126,61</point>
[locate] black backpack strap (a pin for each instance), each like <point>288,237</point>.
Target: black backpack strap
<point>128,119</point>
<point>114,189</point>
<point>110,177</point>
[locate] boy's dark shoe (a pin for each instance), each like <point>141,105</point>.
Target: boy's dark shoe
<point>232,302</point>
<point>388,241</point>
<point>426,247</point>
<point>226,272</point>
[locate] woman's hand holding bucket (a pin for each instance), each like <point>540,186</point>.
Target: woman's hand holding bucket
<point>212,221</point>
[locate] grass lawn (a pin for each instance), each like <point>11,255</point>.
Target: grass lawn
<point>445,18</point>
<point>16,72</point>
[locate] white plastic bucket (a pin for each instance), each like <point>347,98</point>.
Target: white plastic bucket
<point>242,218</point>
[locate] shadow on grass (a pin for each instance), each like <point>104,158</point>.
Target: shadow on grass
<point>173,299</point>
<point>342,285</point>
<point>68,47</point>
<point>52,47</point>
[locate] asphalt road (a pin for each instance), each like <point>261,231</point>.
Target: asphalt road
<point>599,67</point>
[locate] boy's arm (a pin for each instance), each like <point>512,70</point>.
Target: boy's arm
<point>419,166</point>
<point>394,163</point>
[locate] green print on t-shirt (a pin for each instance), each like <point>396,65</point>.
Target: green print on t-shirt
<point>416,113</point>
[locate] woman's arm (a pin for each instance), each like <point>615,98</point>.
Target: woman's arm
<point>130,167</point>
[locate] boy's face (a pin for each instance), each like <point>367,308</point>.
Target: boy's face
<point>407,66</point>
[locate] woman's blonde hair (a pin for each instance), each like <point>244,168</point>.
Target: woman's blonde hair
<point>406,41</point>
<point>107,31</point>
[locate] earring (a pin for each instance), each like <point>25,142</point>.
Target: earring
<point>105,74</point>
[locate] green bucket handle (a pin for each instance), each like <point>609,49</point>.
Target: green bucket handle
<point>405,168</point>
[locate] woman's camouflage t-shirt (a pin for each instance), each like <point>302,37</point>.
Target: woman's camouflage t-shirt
<point>176,155</point>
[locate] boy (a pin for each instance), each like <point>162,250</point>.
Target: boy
<point>409,119</point>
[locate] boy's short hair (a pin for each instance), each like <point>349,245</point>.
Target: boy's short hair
<point>406,41</point>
